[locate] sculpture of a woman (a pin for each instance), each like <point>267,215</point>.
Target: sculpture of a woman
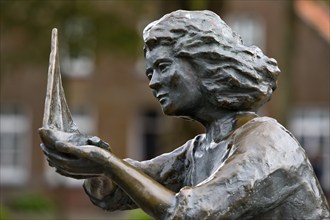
<point>244,166</point>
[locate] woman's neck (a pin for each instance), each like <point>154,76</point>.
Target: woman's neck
<point>222,126</point>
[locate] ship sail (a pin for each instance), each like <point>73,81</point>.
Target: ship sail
<point>57,115</point>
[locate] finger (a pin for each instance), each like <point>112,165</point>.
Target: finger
<point>68,164</point>
<point>94,140</point>
<point>85,151</point>
<point>90,152</point>
<point>77,167</point>
<point>70,169</point>
<point>98,142</point>
<point>71,164</point>
<point>75,176</point>
<point>68,148</point>
<point>57,155</point>
<point>50,163</point>
<point>47,137</point>
<point>80,171</point>
<point>104,145</point>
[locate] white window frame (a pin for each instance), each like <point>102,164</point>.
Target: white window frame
<point>18,124</point>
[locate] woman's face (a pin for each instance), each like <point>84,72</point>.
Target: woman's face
<point>173,81</point>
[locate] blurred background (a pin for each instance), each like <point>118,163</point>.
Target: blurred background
<point>103,76</point>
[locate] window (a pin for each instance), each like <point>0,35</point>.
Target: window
<point>85,120</point>
<point>251,28</point>
<point>311,127</point>
<point>78,60</point>
<point>14,146</point>
<point>144,135</point>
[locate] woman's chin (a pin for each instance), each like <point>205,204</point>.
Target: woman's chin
<point>168,110</point>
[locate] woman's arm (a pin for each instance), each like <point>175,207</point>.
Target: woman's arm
<point>86,161</point>
<point>168,169</point>
<point>151,196</point>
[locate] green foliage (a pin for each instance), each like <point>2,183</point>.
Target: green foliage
<point>327,2</point>
<point>4,213</point>
<point>32,202</point>
<point>198,4</point>
<point>26,27</point>
<point>138,214</point>
<point>116,35</point>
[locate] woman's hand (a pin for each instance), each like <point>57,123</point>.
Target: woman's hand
<point>92,161</point>
<point>50,136</point>
<point>89,152</point>
<point>56,146</point>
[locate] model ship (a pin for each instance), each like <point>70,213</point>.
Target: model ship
<point>57,115</point>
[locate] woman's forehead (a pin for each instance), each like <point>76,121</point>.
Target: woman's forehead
<point>159,52</point>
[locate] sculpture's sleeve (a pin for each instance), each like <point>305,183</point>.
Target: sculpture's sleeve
<point>261,172</point>
<point>167,169</point>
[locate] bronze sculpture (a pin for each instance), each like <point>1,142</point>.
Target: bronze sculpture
<point>244,166</point>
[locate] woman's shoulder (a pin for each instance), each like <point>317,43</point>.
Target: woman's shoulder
<point>266,139</point>
<point>264,128</point>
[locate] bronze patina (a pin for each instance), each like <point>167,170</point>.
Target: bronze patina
<point>243,167</point>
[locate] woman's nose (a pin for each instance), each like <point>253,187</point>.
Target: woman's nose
<point>154,82</point>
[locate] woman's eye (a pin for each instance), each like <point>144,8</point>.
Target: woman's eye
<point>149,75</point>
<point>163,66</point>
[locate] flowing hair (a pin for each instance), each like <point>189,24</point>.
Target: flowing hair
<point>233,76</point>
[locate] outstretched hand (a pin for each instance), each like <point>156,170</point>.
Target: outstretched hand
<point>72,155</point>
<point>89,152</point>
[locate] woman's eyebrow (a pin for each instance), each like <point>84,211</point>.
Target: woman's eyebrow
<point>162,60</point>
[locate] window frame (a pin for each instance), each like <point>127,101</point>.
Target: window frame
<point>17,124</point>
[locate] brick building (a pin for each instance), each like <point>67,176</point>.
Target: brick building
<point>103,77</point>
